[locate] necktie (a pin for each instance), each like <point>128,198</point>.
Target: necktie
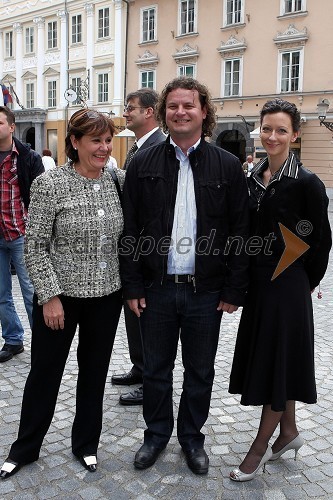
<point>130,155</point>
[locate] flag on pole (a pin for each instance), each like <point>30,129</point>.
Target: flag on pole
<point>12,91</point>
<point>7,98</point>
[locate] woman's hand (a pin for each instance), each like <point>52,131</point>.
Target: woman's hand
<point>225,307</point>
<point>53,313</point>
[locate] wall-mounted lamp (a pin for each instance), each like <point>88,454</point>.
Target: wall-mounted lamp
<point>322,107</point>
<point>247,124</point>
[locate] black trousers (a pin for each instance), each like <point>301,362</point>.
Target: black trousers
<point>134,339</point>
<point>97,319</point>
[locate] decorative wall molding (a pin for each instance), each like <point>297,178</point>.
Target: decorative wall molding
<point>185,53</point>
<point>291,36</point>
<point>29,62</point>
<point>9,65</point>
<point>51,72</point>
<point>233,47</point>
<point>52,58</point>
<point>147,58</point>
<point>89,8</point>
<point>40,21</point>
<point>17,27</point>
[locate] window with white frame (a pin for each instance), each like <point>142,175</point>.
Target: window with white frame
<point>233,12</point>
<point>148,24</point>
<point>29,39</point>
<point>9,44</point>
<point>103,87</point>
<point>187,16</point>
<point>52,35</point>
<point>147,79</point>
<point>232,77</point>
<point>291,69</point>
<point>30,95</point>
<point>291,6</point>
<point>104,23</point>
<point>52,94</point>
<point>77,28</point>
<point>76,84</point>
<point>186,70</point>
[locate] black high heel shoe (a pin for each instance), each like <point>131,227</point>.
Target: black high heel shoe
<point>9,468</point>
<point>89,462</point>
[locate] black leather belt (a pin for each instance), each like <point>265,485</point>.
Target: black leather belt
<point>180,278</point>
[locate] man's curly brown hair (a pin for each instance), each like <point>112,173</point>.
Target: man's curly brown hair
<point>205,98</point>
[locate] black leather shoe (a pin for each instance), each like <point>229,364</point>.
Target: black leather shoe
<point>146,456</point>
<point>10,350</point>
<point>129,378</point>
<point>89,462</point>
<point>132,398</point>
<point>197,460</point>
<point>9,468</point>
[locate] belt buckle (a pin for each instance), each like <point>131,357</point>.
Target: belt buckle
<point>180,279</point>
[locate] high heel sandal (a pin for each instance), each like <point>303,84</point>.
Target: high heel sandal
<point>89,462</point>
<point>295,444</point>
<point>238,475</point>
<point>9,468</point>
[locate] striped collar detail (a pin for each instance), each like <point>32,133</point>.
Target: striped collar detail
<point>289,169</point>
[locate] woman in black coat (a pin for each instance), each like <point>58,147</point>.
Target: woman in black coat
<point>273,362</point>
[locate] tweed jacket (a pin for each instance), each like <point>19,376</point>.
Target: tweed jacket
<point>74,224</point>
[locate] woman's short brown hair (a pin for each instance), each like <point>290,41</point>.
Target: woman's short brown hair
<point>86,122</point>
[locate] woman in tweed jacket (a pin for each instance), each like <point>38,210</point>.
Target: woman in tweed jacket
<point>75,221</point>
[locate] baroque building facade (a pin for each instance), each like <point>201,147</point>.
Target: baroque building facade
<point>58,56</point>
<point>246,51</point>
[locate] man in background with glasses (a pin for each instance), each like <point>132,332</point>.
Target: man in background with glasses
<point>140,118</point>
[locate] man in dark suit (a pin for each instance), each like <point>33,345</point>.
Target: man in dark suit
<point>140,118</point>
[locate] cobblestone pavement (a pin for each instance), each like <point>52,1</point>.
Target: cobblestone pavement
<point>230,429</point>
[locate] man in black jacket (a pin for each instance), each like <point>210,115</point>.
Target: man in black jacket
<point>140,118</point>
<point>19,166</point>
<point>183,202</point>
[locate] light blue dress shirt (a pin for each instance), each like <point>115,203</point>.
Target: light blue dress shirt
<point>181,258</point>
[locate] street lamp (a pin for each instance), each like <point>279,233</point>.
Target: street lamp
<point>322,107</point>
<point>249,149</point>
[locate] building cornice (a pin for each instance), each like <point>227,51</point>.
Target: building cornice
<point>147,58</point>
<point>290,36</point>
<point>186,53</point>
<point>233,47</point>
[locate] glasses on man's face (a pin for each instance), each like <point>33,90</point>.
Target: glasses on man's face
<point>129,108</point>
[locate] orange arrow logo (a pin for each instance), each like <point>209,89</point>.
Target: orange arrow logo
<point>295,247</point>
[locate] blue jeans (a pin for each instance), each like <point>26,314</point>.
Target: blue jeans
<point>12,330</point>
<point>173,311</point>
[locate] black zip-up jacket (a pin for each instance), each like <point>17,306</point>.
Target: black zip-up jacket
<point>299,202</point>
<point>29,166</point>
<point>222,211</point>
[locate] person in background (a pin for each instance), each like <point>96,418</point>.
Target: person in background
<point>112,162</point>
<point>248,165</point>
<point>19,166</point>
<point>273,363</point>
<point>75,221</point>
<point>141,119</point>
<point>47,160</point>
<point>183,198</point>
